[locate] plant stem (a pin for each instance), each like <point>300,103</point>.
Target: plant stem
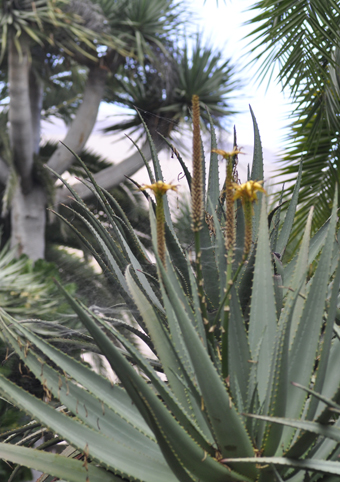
<point>229,247</point>
<point>248,220</point>
<point>197,178</point>
<point>230,215</point>
<point>226,311</point>
<point>160,228</point>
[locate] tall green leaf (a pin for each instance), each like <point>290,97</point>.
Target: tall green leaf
<point>262,322</point>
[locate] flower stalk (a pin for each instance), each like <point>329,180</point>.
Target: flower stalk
<point>160,188</point>
<point>197,206</point>
<point>248,227</point>
<point>247,193</point>
<point>229,238</point>
<point>229,196</point>
<point>197,176</point>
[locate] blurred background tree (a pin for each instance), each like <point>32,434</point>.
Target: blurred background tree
<point>62,59</point>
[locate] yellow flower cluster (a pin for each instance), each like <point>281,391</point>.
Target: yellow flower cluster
<point>159,187</point>
<point>226,154</point>
<point>247,191</point>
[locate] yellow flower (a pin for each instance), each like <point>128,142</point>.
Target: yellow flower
<point>247,191</point>
<point>226,154</point>
<point>159,187</point>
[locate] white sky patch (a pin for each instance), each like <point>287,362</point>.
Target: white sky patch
<point>224,26</point>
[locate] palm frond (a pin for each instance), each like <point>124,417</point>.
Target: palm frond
<point>300,35</point>
<point>163,96</point>
<point>303,38</point>
<point>317,147</point>
<point>143,24</point>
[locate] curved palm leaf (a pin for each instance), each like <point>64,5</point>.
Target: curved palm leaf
<point>300,35</point>
<point>319,154</point>
<point>303,38</point>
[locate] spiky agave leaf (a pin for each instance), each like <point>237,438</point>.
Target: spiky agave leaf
<point>193,424</point>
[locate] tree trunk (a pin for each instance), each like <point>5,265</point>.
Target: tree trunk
<point>20,120</point>
<point>82,125</point>
<point>36,90</point>
<point>28,222</point>
<point>4,171</point>
<point>28,208</point>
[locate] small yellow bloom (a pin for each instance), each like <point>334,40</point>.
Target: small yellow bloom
<point>226,154</point>
<point>159,187</point>
<point>247,191</point>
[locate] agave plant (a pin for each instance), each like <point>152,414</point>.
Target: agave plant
<point>228,332</point>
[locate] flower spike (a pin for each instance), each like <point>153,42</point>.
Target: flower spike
<point>160,188</point>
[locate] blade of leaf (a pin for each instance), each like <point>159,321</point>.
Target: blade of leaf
<point>239,352</point>
<point>87,407</point>
<point>65,468</point>
<point>115,397</point>
<point>257,167</point>
<point>219,249</point>
<point>262,320</point>
<point>257,172</point>
<point>188,423</point>
<point>170,435</point>
<point>327,431</point>
<point>111,453</point>
<point>326,347</point>
<point>289,218</point>
<point>160,338</point>
<point>305,343</point>
<point>228,429</point>
<point>158,172</point>
<point>326,466</point>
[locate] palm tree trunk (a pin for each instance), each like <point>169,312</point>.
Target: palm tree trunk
<point>28,222</point>
<point>36,91</point>
<point>20,119</point>
<point>83,123</point>
<point>4,171</point>
<point>28,208</point>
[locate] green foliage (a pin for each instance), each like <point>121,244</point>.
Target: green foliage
<point>229,334</point>
<point>302,39</point>
<point>28,292</point>
<point>162,90</point>
<point>23,18</point>
<point>27,289</point>
<point>10,419</point>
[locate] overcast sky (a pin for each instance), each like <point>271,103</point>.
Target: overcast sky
<point>224,26</point>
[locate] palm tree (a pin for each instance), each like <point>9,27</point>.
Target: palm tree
<point>303,38</point>
<point>36,37</point>
<point>63,58</point>
<point>162,97</point>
